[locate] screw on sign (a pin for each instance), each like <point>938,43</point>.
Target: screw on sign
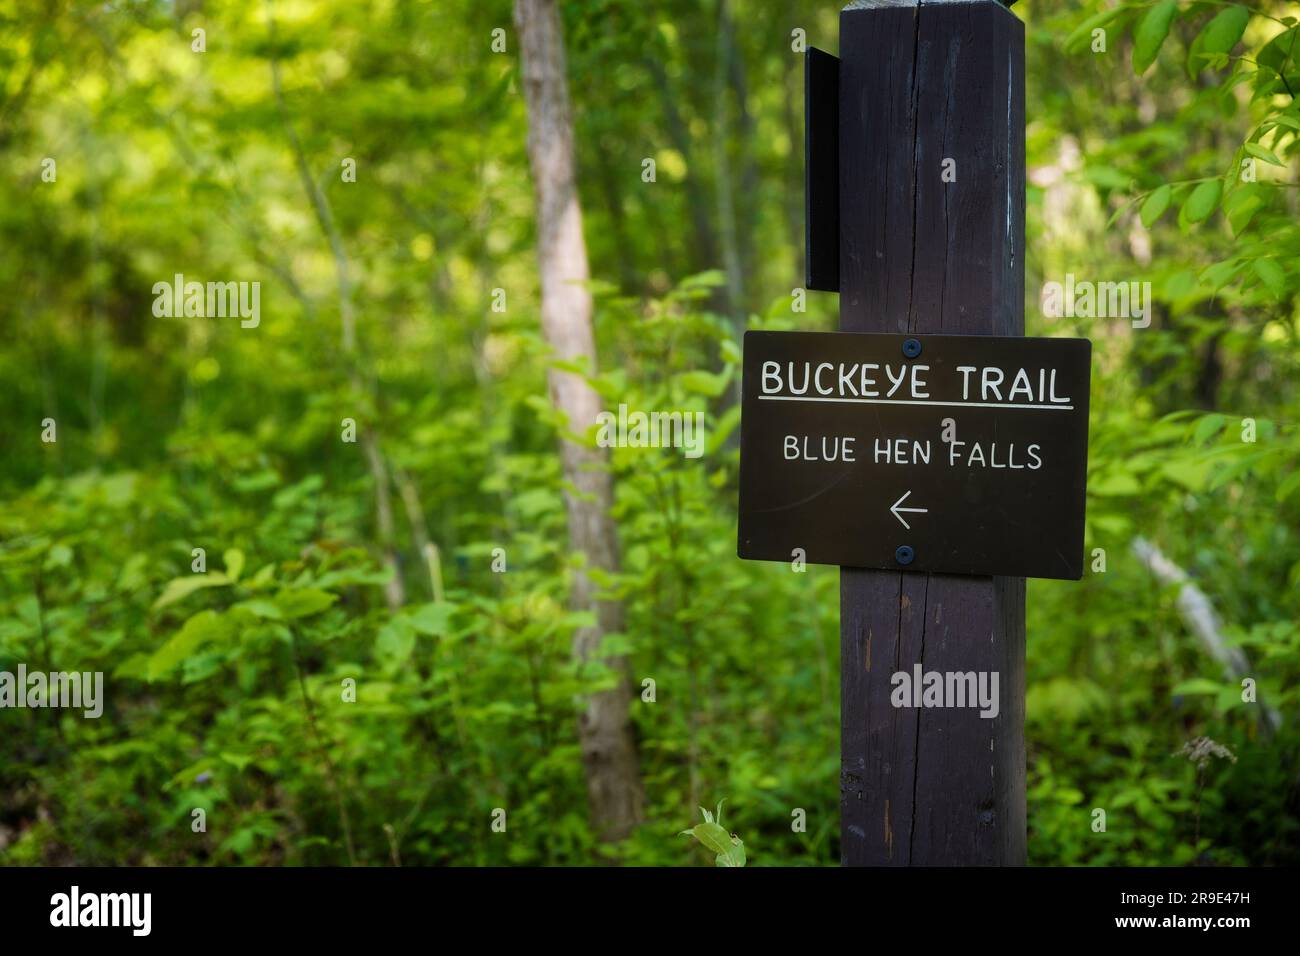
<point>927,448</point>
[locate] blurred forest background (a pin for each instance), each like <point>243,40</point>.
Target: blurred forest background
<point>329,560</point>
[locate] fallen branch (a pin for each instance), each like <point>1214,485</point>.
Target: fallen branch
<point>1198,614</point>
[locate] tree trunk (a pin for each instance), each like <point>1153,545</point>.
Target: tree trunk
<point>726,197</point>
<point>604,728</point>
<point>748,199</point>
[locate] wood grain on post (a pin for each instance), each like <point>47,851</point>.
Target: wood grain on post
<point>921,82</point>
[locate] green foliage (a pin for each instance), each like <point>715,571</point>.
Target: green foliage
<point>1151,32</point>
<point>1195,431</point>
<point>713,836</point>
<point>1221,34</point>
<point>1201,203</point>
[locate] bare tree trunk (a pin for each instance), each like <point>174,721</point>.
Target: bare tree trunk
<point>394,590</point>
<point>726,199</point>
<point>748,202</point>
<point>604,728</point>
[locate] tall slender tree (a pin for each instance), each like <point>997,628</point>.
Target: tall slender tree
<point>604,728</point>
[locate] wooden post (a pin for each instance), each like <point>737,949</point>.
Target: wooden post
<point>921,83</point>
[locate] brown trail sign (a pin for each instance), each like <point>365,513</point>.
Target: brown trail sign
<point>916,208</point>
<point>963,454</point>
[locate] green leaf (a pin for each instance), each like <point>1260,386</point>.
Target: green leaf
<point>1277,53</point>
<point>1241,205</point>
<point>1219,274</point>
<point>1197,685</point>
<point>1289,486</point>
<point>1200,205</point>
<point>134,573</point>
<point>709,279</point>
<point>1150,34</point>
<point>262,608</point>
<point>265,575</point>
<point>1267,155</point>
<point>238,761</point>
<point>1070,796</point>
<point>1193,476</point>
<point>1209,426</point>
<point>704,383</point>
<point>234,561</point>
<point>433,620</point>
<point>303,602</point>
<point>1272,275</point>
<point>1218,37</point>
<point>713,837</point>
<point>727,847</point>
<point>395,642</point>
<point>177,589</point>
<point>1155,205</point>
<point>734,855</point>
<point>722,429</point>
<point>1229,699</point>
<point>198,630</point>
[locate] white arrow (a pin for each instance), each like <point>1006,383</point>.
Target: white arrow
<point>894,510</point>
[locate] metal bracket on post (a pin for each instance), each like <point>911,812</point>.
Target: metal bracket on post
<point>821,143</point>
